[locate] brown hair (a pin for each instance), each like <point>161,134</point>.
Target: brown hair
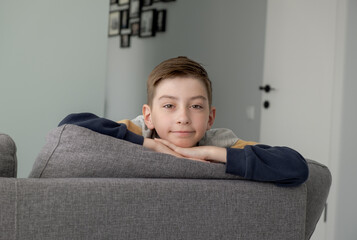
<point>177,67</point>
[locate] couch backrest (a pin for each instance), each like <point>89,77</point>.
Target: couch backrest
<point>116,208</point>
<point>318,187</point>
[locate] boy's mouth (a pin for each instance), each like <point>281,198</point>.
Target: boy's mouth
<point>183,133</point>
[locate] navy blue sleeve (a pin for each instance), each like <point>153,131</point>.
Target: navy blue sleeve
<point>103,126</point>
<point>281,165</point>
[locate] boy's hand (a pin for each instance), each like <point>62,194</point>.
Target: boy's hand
<point>159,147</point>
<point>206,153</point>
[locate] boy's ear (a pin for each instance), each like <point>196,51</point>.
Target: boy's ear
<point>147,116</point>
<point>212,116</point>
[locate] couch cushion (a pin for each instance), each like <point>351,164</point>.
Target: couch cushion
<point>8,160</point>
<point>73,151</point>
<point>160,209</point>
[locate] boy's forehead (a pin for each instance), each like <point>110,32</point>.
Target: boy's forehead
<point>177,82</point>
<point>174,97</point>
<point>181,84</point>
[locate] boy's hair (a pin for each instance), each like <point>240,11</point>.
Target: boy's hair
<point>177,67</point>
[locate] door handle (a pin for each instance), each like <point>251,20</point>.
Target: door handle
<point>266,88</point>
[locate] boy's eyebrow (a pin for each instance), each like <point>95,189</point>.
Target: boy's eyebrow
<point>176,98</point>
<point>199,97</point>
<point>167,96</point>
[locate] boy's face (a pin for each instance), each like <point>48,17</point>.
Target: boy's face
<point>180,111</point>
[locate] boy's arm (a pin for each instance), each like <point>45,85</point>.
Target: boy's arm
<point>206,153</point>
<point>281,165</point>
<point>114,129</point>
<point>103,126</point>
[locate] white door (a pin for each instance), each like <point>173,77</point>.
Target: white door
<point>299,65</point>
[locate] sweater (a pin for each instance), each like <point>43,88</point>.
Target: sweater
<point>257,162</point>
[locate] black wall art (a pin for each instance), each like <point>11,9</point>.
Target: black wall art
<point>136,18</point>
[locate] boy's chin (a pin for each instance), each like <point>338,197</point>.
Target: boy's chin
<point>184,144</point>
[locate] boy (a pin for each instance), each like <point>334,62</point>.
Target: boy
<point>177,120</point>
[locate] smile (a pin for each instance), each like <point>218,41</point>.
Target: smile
<point>183,133</point>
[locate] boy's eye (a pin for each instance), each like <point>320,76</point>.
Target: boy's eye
<point>196,106</point>
<point>168,106</point>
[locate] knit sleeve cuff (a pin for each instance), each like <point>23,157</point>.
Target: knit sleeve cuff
<point>236,162</point>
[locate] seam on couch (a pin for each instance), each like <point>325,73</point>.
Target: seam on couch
<point>15,166</point>
<point>16,210</point>
<point>14,173</point>
<point>54,149</point>
<point>305,212</point>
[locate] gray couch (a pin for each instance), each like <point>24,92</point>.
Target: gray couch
<point>85,185</point>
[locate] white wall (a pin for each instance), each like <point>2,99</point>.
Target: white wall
<point>52,62</point>
<point>346,211</point>
<point>227,37</point>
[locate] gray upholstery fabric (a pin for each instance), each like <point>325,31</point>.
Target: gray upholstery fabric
<point>8,160</point>
<point>7,208</point>
<point>318,186</point>
<point>169,204</point>
<point>73,151</point>
<point>158,209</point>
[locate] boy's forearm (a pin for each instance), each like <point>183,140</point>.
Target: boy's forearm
<point>281,165</point>
<point>209,153</point>
<point>159,147</point>
<point>217,154</point>
<point>103,126</point>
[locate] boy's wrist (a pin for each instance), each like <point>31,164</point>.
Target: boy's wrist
<point>218,154</point>
<point>148,143</point>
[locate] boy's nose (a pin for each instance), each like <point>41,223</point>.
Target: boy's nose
<point>183,117</point>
